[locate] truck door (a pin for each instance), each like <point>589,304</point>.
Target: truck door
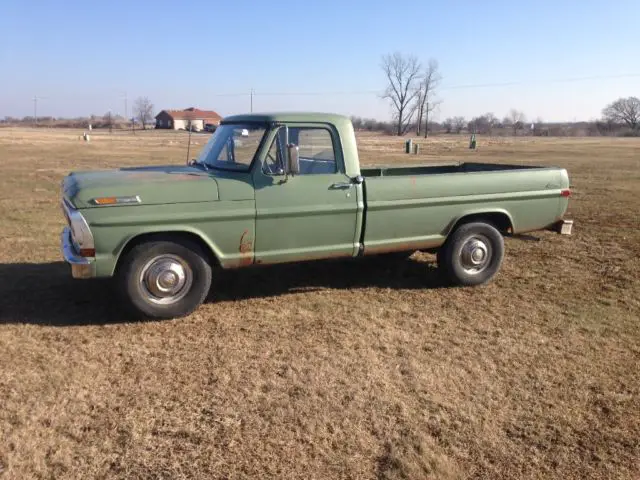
<point>310,215</point>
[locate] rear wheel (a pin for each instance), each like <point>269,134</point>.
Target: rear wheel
<point>472,254</point>
<point>164,278</point>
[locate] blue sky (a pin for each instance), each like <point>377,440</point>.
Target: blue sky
<point>81,57</point>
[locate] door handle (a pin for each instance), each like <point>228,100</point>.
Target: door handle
<point>341,186</point>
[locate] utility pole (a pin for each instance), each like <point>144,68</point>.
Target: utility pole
<point>35,109</point>
<point>189,139</point>
<point>252,100</point>
<point>123,96</point>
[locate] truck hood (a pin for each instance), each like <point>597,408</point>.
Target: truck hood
<point>153,185</point>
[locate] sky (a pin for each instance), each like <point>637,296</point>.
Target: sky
<point>559,60</point>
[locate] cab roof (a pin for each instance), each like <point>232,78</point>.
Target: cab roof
<point>290,117</point>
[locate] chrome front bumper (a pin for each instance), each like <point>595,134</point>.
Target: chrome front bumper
<point>81,267</point>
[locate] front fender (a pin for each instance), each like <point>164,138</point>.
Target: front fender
<point>227,229</point>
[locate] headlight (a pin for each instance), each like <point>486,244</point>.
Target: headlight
<point>80,231</point>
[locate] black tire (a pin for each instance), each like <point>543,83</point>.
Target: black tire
<point>472,254</point>
<point>170,257</point>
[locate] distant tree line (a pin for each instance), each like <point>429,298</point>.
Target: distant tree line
<point>96,121</point>
<point>489,124</point>
<point>412,94</point>
<point>142,115</point>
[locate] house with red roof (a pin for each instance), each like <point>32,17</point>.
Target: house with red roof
<point>182,119</point>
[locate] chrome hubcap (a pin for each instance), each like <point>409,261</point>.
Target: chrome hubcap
<point>166,279</point>
<point>475,255</point>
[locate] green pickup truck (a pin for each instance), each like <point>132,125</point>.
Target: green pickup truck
<point>274,188</point>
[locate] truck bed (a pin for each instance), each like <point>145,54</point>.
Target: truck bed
<point>415,207</point>
<point>468,167</point>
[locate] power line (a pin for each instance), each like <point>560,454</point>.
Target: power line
<point>538,82</point>
<point>253,92</point>
<point>237,94</point>
<point>356,92</point>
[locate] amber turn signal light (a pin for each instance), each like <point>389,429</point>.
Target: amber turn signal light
<point>105,200</point>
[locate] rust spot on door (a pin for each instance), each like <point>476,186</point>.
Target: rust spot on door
<point>400,247</point>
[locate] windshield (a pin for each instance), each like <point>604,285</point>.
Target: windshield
<point>232,147</point>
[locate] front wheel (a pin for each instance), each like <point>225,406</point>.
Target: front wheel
<point>164,278</point>
<point>472,254</point>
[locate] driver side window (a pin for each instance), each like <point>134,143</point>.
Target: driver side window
<point>316,150</point>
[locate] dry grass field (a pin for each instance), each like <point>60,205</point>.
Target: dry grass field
<point>357,369</point>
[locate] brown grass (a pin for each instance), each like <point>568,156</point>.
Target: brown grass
<point>363,369</point>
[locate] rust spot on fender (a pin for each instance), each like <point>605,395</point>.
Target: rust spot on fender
<point>245,261</point>
<point>239,263</point>
<point>246,245</point>
<point>246,250</point>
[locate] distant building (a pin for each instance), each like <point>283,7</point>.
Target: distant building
<point>180,119</point>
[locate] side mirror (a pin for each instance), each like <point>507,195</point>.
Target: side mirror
<point>293,166</point>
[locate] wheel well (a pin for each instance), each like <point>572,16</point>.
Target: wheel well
<point>169,236</point>
<point>499,220</point>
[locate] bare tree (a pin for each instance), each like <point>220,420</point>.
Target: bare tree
<point>491,122</point>
<point>426,101</point>
<point>447,124</point>
<point>458,123</point>
<point>516,119</point>
<point>188,122</point>
<point>483,124</point>
<point>357,122</point>
<point>403,75</point>
<point>143,111</point>
<point>107,120</point>
<point>624,110</point>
